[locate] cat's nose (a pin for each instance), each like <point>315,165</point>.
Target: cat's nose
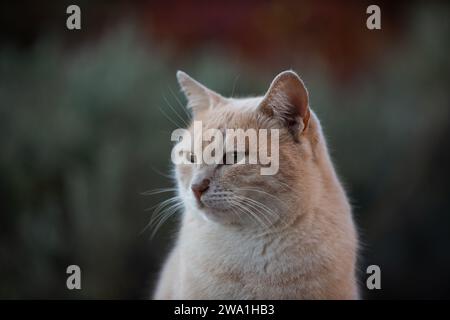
<point>199,188</point>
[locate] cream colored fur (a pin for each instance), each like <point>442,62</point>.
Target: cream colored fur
<point>307,250</point>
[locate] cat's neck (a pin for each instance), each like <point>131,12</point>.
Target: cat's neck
<point>195,225</point>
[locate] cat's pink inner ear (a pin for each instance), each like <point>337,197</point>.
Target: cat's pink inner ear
<point>287,99</point>
<point>199,97</point>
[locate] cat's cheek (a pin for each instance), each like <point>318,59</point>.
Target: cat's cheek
<point>241,175</point>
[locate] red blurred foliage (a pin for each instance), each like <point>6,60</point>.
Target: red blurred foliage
<point>270,32</point>
<point>264,33</point>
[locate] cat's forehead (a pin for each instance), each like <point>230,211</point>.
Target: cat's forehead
<point>233,113</point>
<point>243,104</point>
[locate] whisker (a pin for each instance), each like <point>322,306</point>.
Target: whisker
<point>162,173</point>
<point>170,119</point>
<point>245,206</point>
<point>183,107</point>
<point>157,191</point>
<point>288,186</point>
<point>175,111</point>
<point>232,207</point>
<point>161,203</point>
<point>261,206</point>
<point>263,211</point>
<point>261,191</point>
<point>164,217</point>
<point>160,209</point>
<point>240,206</point>
<point>274,213</point>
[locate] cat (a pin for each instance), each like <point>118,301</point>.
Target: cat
<point>244,235</point>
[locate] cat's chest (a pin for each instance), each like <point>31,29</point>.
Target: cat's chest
<point>239,254</point>
<point>240,265</point>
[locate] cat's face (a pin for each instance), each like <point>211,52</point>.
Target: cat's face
<point>234,190</point>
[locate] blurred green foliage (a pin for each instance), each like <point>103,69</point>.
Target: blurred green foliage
<point>84,132</point>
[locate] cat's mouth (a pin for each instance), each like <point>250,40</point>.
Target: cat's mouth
<point>213,203</point>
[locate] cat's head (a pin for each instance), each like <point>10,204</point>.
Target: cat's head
<point>232,189</point>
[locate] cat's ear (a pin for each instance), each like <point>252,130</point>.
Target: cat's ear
<point>287,100</point>
<point>199,97</point>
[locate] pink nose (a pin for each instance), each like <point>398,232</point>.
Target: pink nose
<point>199,188</point>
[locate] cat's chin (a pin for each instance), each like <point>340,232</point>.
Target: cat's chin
<point>219,215</point>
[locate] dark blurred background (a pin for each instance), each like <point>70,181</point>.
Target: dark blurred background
<point>86,117</point>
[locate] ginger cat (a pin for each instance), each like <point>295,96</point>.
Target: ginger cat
<point>245,235</point>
